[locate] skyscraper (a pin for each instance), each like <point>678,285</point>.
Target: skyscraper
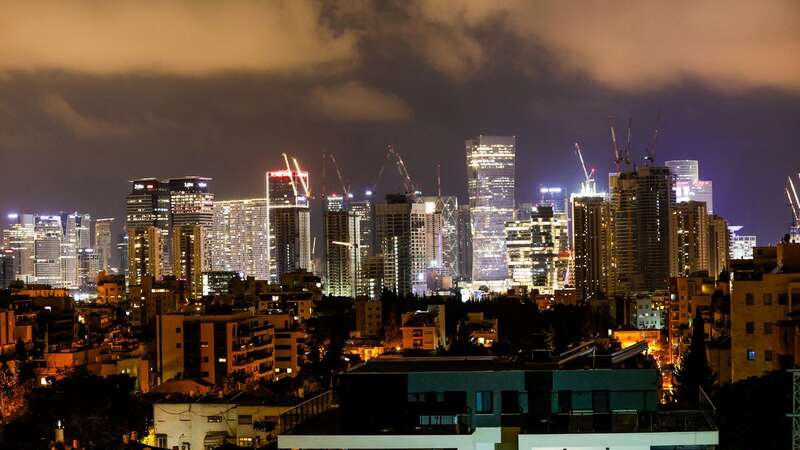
<point>362,208</point>
<point>342,251</point>
<point>689,242</point>
<point>288,222</point>
<point>103,232</point>
<point>191,202</point>
<point>188,256</point>
<point>47,250</point>
<point>147,206</point>
<point>464,235</point>
<point>592,223</point>
<point>688,185</point>
<point>555,197</point>
<point>76,236</point>
<point>400,234</point>
<point>490,183</point>
<point>144,254</point>
<point>441,229</point>
<point>240,242</point>
<point>550,249</point>
<point>641,200</point>
<point>718,245</point>
<point>20,237</point>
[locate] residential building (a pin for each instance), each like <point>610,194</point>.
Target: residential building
<point>718,245</point>
<point>592,224</point>
<point>400,232</point>
<point>490,183</point>
<point>424,330</point>
<point>741,246</point>
<point>240,238</point>
<point>188,256</point>
<point>144,254</point>
<point>288,222</point>
<point>689,228</point>
<point>369,317</point>
<point>342,232</point>
<point>103,233</point>
<point>464,232</point>
<point>148,205</point>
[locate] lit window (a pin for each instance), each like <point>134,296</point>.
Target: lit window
<point>214,419</point>
<point>483,402</point>
<point>751,355</point>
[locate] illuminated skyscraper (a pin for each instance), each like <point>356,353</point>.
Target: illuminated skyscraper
<point>641,200</point>
<point>441,234</point>
<point>240,237</point>
<point>400,234</point>
<point>592,223</point>
<point>147,206</point>
<point>555,197</point>
<point>464,235</point>
<point>192,203</point>
<point>188,254</point>
<point>342,232</point>
<point>689,242</point>
<point>47,250</point>
<point>103,232</point>
<point>490,183</point>
<point>741,247</point>
<point>20,237</point>
<point>144,254</point>
<point>76,237</point>
<point>519,246</point>
<point>88,267</point>
<point>688,185</point>
<point>288,222</point>
<point>363,210</point>
<point>550,245</point>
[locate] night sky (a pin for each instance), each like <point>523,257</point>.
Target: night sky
<point>93,94</point>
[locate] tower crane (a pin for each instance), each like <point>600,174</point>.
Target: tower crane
<point>408,183</point>
<point>617,158</point>
<point>345,188</point>
<point>650,151</point>
<point>588,184</point>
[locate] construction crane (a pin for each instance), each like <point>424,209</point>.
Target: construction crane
<point>588,184</point>
<point>650,151</point>
<point>345,189</point>
<point>408,183</point>
<point>617,157</point>
<point>794,200</point>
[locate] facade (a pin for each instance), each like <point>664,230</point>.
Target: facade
<point>483,403</point>
<point>519,246</point>
<point>441,235</point>
<point>103,238</point>
<point>400,232</point>
<point>76,236</point>
<point>363,209</point>
<point>761,302</point>
<point>188,256</point>
<point>240,242</point>
<point>641,202</point>
<point>342,250</point>
<point>215,348</point>
<point>20,237</point>
<point>689,228</point>
<point>191,202</point>
<point>144,254</point>
<point>592,224</point>
<point>688,185</point>
<point>369,317</point>
<point>424,330</point>
<point>550,249</point>
<point>490,183</point>
<point>288,222</point>
<point>464,224</point>
<point>741,246</point>
<point>47,250</point>
<point>718,245</point>
<point>553,196</point>
<point>148,205</point>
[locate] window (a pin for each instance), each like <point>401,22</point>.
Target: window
<point>751,355</point>
<point>767,355</point>
<point>214,419</point>
<point>245,419</point>
<point>205,359</point>
<point>795,298</point>
<point>748,298</point>
<point>600,402</point>
<point>178,330</point>
<point>767,328</point>
<point>749,327</point>
<point>178,345</point>
<point>161,440</point>
<point>245,442</point>
<point>564,401</point>
<point>283,347</point>
<point>767,299</point>
<point>783,299</point>
<point>417,332</point>
<point>509,402</point>
<point>417,343</point>
<point>483,402</point>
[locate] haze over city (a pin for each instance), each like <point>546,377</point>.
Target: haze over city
<point>93,96</point>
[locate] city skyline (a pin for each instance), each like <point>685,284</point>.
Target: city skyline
<point>200,115</point>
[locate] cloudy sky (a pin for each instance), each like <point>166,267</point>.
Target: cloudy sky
<point>95,93</point>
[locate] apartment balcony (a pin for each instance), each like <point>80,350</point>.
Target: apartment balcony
<point>622,422</point>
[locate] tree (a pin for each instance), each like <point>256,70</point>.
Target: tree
<point>694,372</point>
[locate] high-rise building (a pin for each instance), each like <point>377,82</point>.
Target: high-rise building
<point>103,232</point>
<point>240,237</point>
<point>20,237</point>
<point>555,197</point>
<point>641,200</point>
<point>342,250</point>
<point>464,233</point>
<point>7,267</point>
<point>144,254</point>
<point>592,223</point>
<point>441,231</point>
<point>148,205</point>
<point>122,254</point>
<point>288,222</point>
<point>490,182</point>
<point>519,246</point>
<point>718,245</point>
<point>191,202</point>
<point>688,185</point>
<point>550,249</point>
<point>188,254</point>
<point>47,250</point>
<point>363,209</point>
<point>741,246</point>
<point>88,267</point>
<point>689,241</point>
<point>400,233</point>
<point>76,236</point>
